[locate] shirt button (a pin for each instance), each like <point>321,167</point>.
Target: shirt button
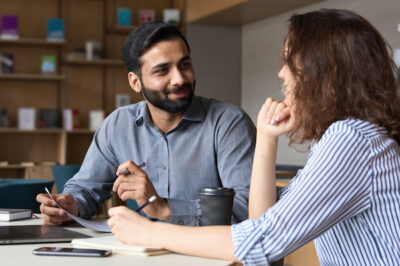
<point>180,222</point>
<point>164,167</point>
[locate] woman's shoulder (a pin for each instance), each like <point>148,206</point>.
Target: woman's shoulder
<point>355,128</point>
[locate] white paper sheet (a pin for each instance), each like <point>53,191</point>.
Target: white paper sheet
<point>97,226</point>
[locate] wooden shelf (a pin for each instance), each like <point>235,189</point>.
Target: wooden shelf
<point>36,131</point>
<point>32,76</point>
<point>46,131</point>
<point>80,131</point>
<point>238,12</point>
<point>14,166</point>
<point>31,41</point>
<point>95,62</point>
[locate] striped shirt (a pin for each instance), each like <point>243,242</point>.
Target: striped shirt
<point>347,198</point>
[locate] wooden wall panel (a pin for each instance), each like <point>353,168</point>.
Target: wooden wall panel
<point>32,17</point>
<point>85,90</point>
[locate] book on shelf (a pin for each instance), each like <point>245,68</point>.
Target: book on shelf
<point>7,63</point>
<point>48,65</point>
<point>122,99</point>
<point>171,16</point>
<point>9,27</point>
<point>70,119</point>
<point>96,117</point>
<point>26,118</point>
<point>4,121</point>
<point>110,243</point>
<point>55,29</point>
<point>49,118</point>
<point>14,214</point>
<point>124,16</point>
<point>146,15</point>
<point>93,50</point>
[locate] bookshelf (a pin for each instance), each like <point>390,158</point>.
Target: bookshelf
<point>78,83</point>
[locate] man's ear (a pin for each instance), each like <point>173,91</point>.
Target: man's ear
<point>134,82</point>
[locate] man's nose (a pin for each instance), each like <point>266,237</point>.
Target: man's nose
<point>177,77</point>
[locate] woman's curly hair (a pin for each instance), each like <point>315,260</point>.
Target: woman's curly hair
<point>343,69</point>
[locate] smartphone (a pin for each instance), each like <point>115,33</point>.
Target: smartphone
<point>58,251</point>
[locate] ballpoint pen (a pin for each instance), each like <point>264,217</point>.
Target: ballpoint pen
<point>126,171</point>
<point>150,200</point>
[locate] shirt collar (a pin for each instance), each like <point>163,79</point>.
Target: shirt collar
<point>194,112</point>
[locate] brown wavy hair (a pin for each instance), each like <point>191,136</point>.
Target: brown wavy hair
<point>343,69</point>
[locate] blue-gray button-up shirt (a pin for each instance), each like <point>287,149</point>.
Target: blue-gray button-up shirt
<point>212,146</point>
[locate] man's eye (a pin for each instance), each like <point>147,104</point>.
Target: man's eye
<point>186,64</point>
<point>160,71</point>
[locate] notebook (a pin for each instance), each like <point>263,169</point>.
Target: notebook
<point>14,214</point>
<point>110,243</point>
<point>25,234</point>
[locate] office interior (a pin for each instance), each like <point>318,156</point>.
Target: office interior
<point>235,48</point>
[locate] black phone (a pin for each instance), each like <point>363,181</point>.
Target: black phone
<point>59,251</point>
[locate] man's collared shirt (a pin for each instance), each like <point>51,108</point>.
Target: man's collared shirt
<point>212,146</point>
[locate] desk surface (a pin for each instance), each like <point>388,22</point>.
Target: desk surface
<point>22,254</point>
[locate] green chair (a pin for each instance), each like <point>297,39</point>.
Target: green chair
<point>62,173</point>
<point>21,193</point>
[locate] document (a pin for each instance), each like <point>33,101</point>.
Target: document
<point>94,225</point>
<point>110,243</point>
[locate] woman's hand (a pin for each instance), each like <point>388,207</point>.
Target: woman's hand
<point>275,118</point>
<point>129,227</point>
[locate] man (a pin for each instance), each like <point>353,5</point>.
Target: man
<point>185,142</point>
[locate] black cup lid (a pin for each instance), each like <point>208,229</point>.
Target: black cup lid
<point>217,191</point>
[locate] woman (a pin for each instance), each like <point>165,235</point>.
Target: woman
<point>341,94</point>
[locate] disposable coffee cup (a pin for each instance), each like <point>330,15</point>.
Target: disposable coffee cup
<point>216,206</point>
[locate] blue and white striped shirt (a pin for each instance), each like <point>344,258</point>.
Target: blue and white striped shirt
<point>347,197</point>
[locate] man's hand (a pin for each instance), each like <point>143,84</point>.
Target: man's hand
<point>51,214</point>
<point>136,185</point>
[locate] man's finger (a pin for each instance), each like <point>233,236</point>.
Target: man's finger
<point>53,211</point>
<point>45,199</point>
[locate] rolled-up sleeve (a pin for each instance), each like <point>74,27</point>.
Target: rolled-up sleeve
<point>246,239</point>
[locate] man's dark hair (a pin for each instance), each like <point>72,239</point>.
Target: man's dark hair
<point>143,38</point>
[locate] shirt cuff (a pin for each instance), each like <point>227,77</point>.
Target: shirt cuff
<point>184,212</point>
<point>246,237</point>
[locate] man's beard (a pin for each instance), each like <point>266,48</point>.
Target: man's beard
<point>160,98</point>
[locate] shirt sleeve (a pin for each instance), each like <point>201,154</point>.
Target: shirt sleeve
<point>94,181</point>
<point>333,186</point>
<point>235,141</point>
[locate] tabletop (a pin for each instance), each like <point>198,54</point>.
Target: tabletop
<point>21,254</point>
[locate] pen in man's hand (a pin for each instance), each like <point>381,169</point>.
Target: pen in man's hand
<point>150,200</point>
<point>126,171</point>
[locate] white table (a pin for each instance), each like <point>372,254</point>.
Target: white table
<point>22,254</point>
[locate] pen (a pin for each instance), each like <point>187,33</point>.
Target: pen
<point>126,171</point>
<point>150,200</point>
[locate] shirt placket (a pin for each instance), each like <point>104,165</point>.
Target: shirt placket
<point>164,167</point>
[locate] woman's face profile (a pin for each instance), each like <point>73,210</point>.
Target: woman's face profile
<point>288,84</point>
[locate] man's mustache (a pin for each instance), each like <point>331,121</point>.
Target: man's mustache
<point>184,86</point>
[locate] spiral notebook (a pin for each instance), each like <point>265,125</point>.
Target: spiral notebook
<point>110,243</point>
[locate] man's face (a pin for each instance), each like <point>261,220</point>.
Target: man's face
<point>167,76</point>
